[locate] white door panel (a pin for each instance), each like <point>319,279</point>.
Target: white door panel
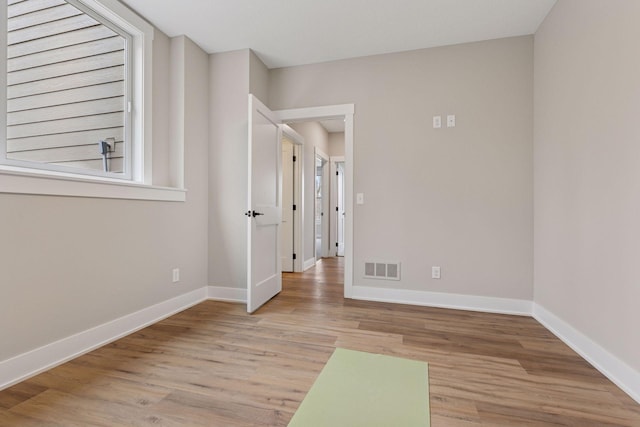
<point>264,278</point>
<point>268,214</point>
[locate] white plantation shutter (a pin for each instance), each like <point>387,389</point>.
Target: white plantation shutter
<point>65,86</point>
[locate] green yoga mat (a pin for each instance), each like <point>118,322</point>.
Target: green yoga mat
<point>357,389</point>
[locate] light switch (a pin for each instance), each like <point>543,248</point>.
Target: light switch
<point>437,122</point>
<point>451,121</point>
<point>360,198</point>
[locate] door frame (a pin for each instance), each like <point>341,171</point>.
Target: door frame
<point>346,112</point>
<point>333,224</point>
<point>298,196</point>
<point>326,203</point>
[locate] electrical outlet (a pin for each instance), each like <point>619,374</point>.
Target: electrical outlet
<point>451,121</point>
<point>437,122</point>
<point>176,275</point>
<point>435,272</point>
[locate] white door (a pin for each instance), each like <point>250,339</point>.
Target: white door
<point>264,271</point>
<point>322,205</point>
<point>318,209</point>
<point>286,229</point>
<point>340,208</point>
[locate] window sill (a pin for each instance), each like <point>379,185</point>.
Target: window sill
<point>20,181</point>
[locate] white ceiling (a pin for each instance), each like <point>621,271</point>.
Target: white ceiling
<point>294,32</point>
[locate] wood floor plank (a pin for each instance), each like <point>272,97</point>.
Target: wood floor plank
<point>216,365</point>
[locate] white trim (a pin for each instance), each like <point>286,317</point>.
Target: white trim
<point>33,362</point>
<point>345,111</point>
<point>315,113</point>
<point>348,197</point>
<point>322,154</point>
<point>621,374</point>
<point>311,262</point>
<point>222,293</point>
<point>298,197</point>
<point>49,184</point>
<point>326,203</point>
<point>333,222</point>
<point>443,300</point>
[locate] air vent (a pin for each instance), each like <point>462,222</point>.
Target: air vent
<point>382,270</point>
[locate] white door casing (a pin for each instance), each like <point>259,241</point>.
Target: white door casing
<point>337,206</point>
<point>298,198</point>
<point>321,228</point>
<point>288,218</point>
<point>346,112</point>
<point>264,211</point>
<point>341,209</point>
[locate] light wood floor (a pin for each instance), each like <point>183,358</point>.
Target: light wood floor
<point>215,365</point>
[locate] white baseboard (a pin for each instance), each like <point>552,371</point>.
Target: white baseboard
<point>621,374</point>
<point>28,364</point>
<point>308,264</point>
<point>33,362</point>
<point>221,293</point>
<point>443,300</point>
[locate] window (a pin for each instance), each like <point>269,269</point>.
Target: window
<point>75,89</point>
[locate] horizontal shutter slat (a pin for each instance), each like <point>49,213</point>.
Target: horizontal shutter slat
<point>115,165</point>
<point>67,97</point>
<point>42,16</point>
<point>66,125</point>
<point>16,8</point>
<point>87,78</point>
<point>50,28</point>
<point>78,109</point>
<point>65,68</point>
<point>65,154</point>
<point>59,41</point>
<point>65,54</point>
<point>64,139</point>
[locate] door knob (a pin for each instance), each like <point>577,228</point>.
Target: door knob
<point>255,214</point>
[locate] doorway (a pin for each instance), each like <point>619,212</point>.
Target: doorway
<point>344,112</point>
<point>321,202</point>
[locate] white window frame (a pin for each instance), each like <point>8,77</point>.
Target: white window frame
<point>22,180</point>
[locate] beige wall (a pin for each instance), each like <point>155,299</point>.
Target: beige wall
<point>161,109</point>
<point>458,198</point>
<point>336,144</point>
<point>69,264</point>
<point>587,194</point>
<point>258,78</point>
<point>232,76</point>
<point>228,114</point>
<point>315,136</point>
